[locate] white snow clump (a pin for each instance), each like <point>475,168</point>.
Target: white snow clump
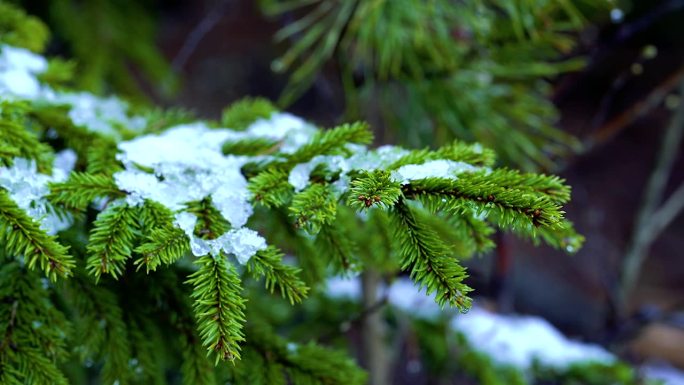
<point>18,70</point>
<point>28,188</point>
<point>440,168</point>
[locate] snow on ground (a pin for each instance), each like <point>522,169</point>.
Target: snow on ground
<point>663,372</point>
<point>507,339</point>
<point>520,340</point>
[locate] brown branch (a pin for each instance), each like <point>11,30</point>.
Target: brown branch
<point>639,109</point>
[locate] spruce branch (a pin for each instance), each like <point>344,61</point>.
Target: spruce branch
<point>306,366</point>
<point>101,157</point>
<point>115,350</point>
<point>474,230</point>
<point>9,374</point>
<point>268,263</point>
<point>218,307</point>
<point>507,207</point>
<point>153,215</point>
<point>196,368</point>
<point>21,142</point>
<point>336,246</point>
<point>111,240</point>
<point>239,115</point>
<point>563,237</point>
<point>33,333</point>
<point>80,189</point>
<point>210,222</point>
<point>313,208</point>
<point>374,188</point>
<point>270,188</point>
<point>22,236</point>
<point>331,141</point>
<point>465,235</point>
<point>550,186</point>
<point>38,369</point>
<point>457,151</point>
<point>79,139</point>
<point>164,246</point>
<point>429,261</point>
<point>298,363</point>
<point>145,341</point>
<point>252,147</point>
<point>527,204</point>
<point>103,332</point>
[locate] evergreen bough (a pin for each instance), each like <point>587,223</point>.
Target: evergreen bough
<point>125,236</point>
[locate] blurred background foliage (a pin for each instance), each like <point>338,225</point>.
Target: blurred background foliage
<point>425,72</point>
<point>585,88</point>
<point>422,72</point>
<point>113,42</point>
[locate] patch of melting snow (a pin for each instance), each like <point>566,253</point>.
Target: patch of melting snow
<point>440,168</point>
<point>665,373</point>
<point>508,339</point>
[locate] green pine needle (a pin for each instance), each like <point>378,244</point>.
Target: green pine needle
<point>429,261</point>
<point>239,115</point>
<point>164,246</point>
<point>111,240</point>
<point>218,307</point>
<point>20,235</point>
<point>375,188</point>
<point>270,188</point>
<point>313,208</point>
<point>77,192</point>
<point>268,263</point>
<point>331,141</point>
<point>256,146</point>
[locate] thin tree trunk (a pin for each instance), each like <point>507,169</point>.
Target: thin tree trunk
<point>373,331</point>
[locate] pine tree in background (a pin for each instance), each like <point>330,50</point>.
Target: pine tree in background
<point>428,72</point>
